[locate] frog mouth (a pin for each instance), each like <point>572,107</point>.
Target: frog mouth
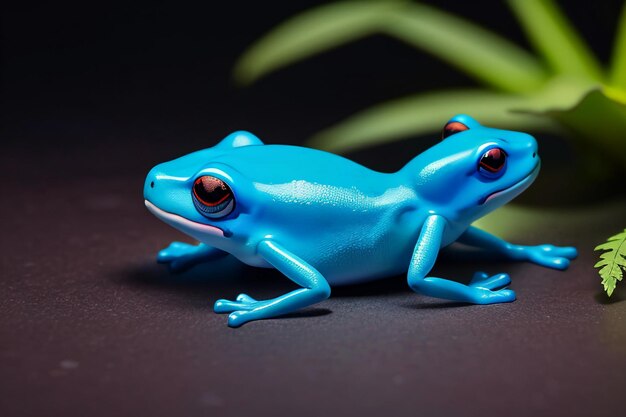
<point>186,225</point>
<point>517,188</point>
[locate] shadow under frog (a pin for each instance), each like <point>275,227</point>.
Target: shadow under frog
<point>323,220</point>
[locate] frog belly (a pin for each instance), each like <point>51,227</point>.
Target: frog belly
<point>345,266</point>
<point>359,268</point>
<point>354,257</point>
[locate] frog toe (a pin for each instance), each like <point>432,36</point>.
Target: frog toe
<point>486,296</point>
<point>180,245</point>
<point>568,252</point>
<point>554,262</point>
<point>483,280</point>
<point>174,251</point>
<point>165,255</point>
<point>239,318</point>
<point>558,263</point>
<point>222,306</point>
<point>245,298</point>
<point>243,302</point>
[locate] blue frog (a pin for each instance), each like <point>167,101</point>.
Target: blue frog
<point>323,220</point>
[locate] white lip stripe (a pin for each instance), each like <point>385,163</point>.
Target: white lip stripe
<point>177,220</point>
<point>530,177</point>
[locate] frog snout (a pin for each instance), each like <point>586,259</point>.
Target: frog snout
<point>150,184</point>
<point>533,147</point>
<point>535,150</point>
<point>166,191</point>
<point>526,146</point>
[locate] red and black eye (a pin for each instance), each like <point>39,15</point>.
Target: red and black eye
<point>212,197</point>
<point>492,162</point>
<point>451,128</point>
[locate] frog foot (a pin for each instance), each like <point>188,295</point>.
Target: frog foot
<point>550,256</point>
<point>485,296</point>
<point>243,302</point>
<point>483,280</point>
<point>487,289</point>
<point>179,256</point>
<point>242,310</point>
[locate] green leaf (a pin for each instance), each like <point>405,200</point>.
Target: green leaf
<point>426,113</point>
<point>562,92</point>
<point>482,54</point>
<point>616,238</point>
<point>309,33</point>
<point>472,49</point>
<point>555,38</point>
<point>608,246</point>
<point>601,262</point>
<point>596,115</point>
<point>600,119</point>
<point>617,76</point>
<point>613,261</point>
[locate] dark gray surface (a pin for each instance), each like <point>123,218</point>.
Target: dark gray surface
<point>90,325</point>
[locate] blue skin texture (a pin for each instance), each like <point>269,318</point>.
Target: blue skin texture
<point>323,220</point>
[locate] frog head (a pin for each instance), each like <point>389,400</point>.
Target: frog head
<point>195,194</point>
<point>474,169</point>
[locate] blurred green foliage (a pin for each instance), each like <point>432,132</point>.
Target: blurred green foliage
<point>560,88</point>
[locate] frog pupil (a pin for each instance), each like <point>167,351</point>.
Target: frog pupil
<point>493,160</point>
<point>211,191</point>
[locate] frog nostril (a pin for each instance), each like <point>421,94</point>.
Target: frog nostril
<point>152,183</point>
<point>534,154</point>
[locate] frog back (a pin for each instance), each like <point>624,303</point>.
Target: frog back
<point>350,222</point>
<point>275,164</point>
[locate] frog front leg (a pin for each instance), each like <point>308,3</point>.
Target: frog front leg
<point>545,255</point>
<point>314,289</point>
<point>181,256</point>
<point>479,291</point>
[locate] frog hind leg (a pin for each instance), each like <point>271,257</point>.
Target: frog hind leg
<point>550,256</point>
<point>481,290</point>
<point>180,256</point>
<point>314,289</point>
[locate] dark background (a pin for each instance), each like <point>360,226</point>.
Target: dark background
<point>94,95</point>
<point>110,80</point>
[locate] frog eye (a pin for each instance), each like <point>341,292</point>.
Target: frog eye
<point>451,128</point>
<point>212,197</point>
<point>492,162</point>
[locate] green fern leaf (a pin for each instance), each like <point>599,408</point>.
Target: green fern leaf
<point>612,263</point>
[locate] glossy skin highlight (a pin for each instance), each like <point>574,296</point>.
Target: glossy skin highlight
<point>323,220</point>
